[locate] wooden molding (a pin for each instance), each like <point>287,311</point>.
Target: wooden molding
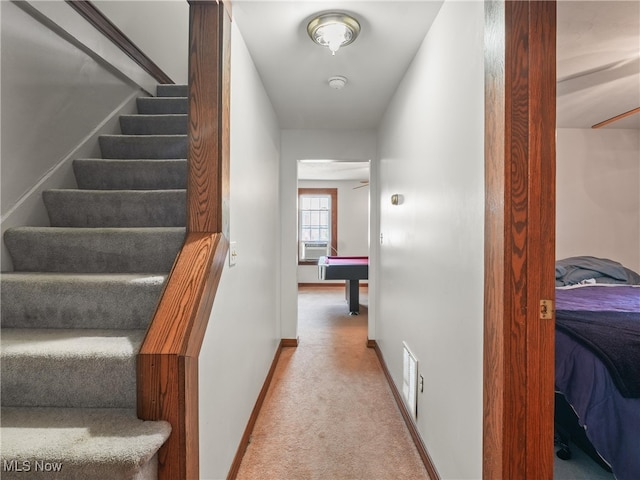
<point>246,436</point>
<point>167,378</point>
<point>408,418</point>
<point>96,18</point>
<point>167,370</point>
<point>520,106</point>
<point>617,117</point>
<point>290,342</point>
<point>209,87</point>
<point>333,193</point>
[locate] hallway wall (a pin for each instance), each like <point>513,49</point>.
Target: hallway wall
<point>431,257</point>
<point>244,329</point>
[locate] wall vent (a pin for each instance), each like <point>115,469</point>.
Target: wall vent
<point>410,380</point>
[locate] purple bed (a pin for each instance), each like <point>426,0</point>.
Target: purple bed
<point>598,368</point>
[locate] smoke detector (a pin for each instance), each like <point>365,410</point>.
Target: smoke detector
<point>338,82</point>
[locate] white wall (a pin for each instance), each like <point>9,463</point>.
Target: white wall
<point>598,194</point>
<point>431,258</point>
<point>160,28</point>
<point>243,332</point>
<point>347,145</point>
<point>353,223</point>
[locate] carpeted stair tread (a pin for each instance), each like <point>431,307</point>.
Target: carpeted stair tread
<point>84,290</point>
<point>115,208</point>
<point>162,105</point>
<point>62,300</point>
<point>163,124</point>
<point>136,174</point>
<point>143,146</point>
<point>172,90</point>
<point>87,444</point>
<point>69,367</point>
<point>93,250</point>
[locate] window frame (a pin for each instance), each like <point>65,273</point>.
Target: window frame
<point>333,194</point>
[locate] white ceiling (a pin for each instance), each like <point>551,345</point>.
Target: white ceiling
<point>295,71</point>
<point>598,60</point>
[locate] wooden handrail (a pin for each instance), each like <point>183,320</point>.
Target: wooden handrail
<point>167,377</point>
<point>96,18</point>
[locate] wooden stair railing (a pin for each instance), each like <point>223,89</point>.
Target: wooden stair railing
<point>167,375</point>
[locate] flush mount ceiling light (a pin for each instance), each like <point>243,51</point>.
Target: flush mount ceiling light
<point>333,30</point>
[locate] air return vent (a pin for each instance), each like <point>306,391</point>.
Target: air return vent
<point>410,380</point>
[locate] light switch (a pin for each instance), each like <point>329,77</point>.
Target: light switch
<point>233,253</point>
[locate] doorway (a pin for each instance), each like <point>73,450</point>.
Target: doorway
<point>334,216</point>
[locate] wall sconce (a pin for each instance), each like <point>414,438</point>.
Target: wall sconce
<point>333,30</point>
<point>396,199</point>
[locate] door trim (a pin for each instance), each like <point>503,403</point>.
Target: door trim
<point>520,106</point>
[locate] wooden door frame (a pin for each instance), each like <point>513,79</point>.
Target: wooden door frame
<point>520,106</point>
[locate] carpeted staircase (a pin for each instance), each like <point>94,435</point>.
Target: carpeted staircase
<point>75,310</point>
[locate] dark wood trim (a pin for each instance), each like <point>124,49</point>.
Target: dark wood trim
<point>408,418</point>
<point>167,375</point>
<point>208,150</point>
<point>333,192</point>
<point>617,117</point>
<point>167,378</point>
<point>520,110</point>
<point>96,18</point>
<point>290,342</point>
<point>246,436</point>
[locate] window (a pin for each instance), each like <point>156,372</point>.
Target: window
<point>317,223</point>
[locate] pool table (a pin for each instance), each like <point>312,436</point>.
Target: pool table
<point>350,269</point>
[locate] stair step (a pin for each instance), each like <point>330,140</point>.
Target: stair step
<point>101,174</point>
<point>154,124</point>
<point>170,90</point>
<point>83,444</point>
<point>62,300</point>
<point>143,146</point>
<point>93,250</point>
<point>79,368</point>
<point>160,105</point>
<point>115,208</point>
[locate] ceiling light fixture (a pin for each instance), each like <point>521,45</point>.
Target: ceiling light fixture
<point>333,30</point>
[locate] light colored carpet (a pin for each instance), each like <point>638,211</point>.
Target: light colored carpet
<point>329,413</point>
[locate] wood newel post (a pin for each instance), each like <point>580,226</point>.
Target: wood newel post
<point>209,87</point>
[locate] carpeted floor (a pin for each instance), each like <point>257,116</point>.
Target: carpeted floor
<point>329,413</point>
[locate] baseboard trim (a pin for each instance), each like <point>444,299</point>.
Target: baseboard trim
<point>328,284</point>
<point>244,441</point>
<point>289,342</point>
<point>408,419</point>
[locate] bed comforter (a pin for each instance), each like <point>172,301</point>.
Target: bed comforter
<point>598,368</point>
